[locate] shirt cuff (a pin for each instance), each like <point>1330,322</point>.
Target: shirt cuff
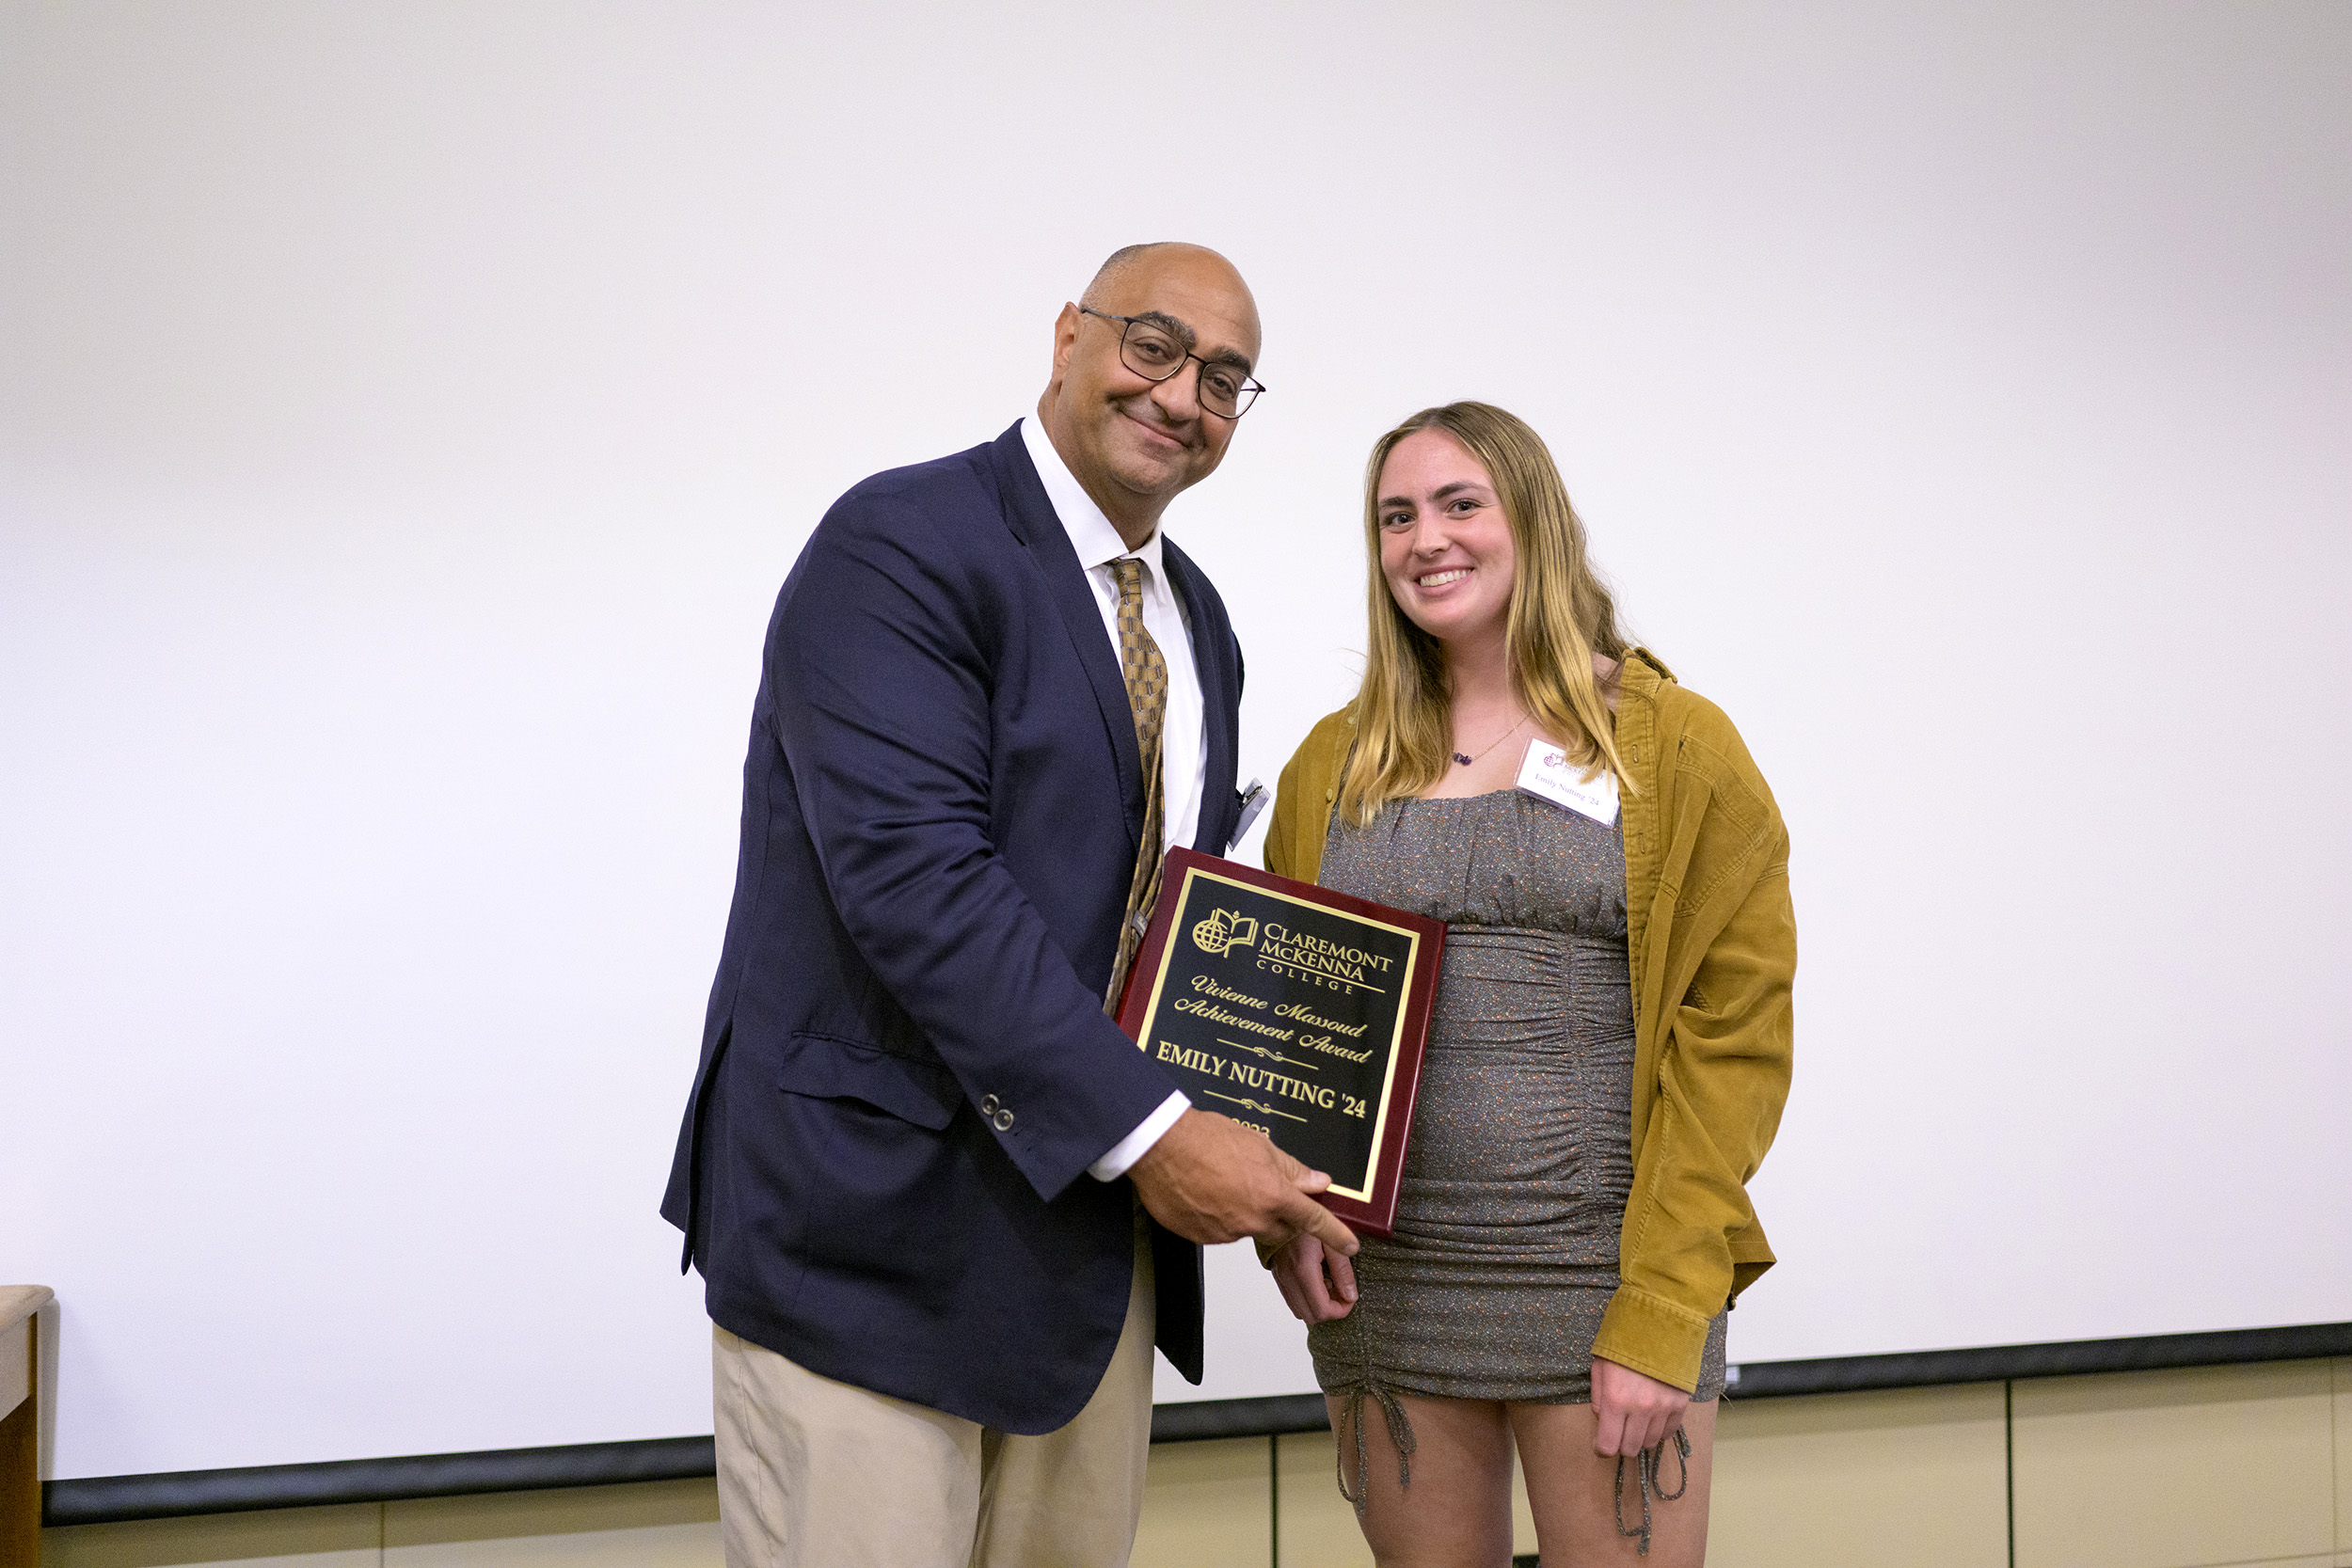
<point>1135,1145</point>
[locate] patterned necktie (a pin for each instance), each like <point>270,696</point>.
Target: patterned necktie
<point>1139,660</point>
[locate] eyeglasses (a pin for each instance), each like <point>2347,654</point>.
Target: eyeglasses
<point>1154,353</point>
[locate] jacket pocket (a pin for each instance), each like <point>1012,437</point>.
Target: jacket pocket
<point>825,1068</point>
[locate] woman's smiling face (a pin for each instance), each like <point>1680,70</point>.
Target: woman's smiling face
<point>1445,545</point>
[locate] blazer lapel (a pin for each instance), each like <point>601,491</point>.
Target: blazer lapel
<point>1220,699</point>
<point>1031,518</point>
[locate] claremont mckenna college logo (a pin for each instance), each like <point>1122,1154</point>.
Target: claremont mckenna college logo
<point>1223,930</point>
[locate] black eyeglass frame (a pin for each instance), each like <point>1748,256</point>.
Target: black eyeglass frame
<point>1251,387</point>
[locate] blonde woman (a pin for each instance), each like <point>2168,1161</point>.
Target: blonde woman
<point>1610,1045</point>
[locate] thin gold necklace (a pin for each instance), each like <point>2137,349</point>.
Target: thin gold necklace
<point>1461,761</point>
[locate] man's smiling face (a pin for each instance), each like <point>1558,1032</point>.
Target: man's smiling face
<point>1135,443</point>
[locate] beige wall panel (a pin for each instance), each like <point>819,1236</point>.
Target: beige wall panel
<point>2175,1470</point>
<point>1207,1503</point>
<point>1522,1511</point>
<point>2342,1377</point>
<point>1906,1477</point>
<point>346,1537</point>
<point>1317,1525</point>
<point>661,1524</point>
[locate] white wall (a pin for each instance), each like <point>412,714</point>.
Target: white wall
<point>408,412</point>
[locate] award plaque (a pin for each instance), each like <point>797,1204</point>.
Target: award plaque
<point>1296,1011</point>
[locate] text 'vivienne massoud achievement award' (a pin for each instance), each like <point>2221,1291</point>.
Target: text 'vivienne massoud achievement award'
<point>1296,1011</point>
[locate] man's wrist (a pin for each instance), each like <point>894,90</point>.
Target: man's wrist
<point>1135,1145</point>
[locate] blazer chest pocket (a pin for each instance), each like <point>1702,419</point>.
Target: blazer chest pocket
<point>824,1067</point>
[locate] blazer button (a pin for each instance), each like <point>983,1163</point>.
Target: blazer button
<point>1004,1120</point>
<point>987,1107</point>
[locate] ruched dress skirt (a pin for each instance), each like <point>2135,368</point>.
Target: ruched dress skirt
<point>1520,1157</point>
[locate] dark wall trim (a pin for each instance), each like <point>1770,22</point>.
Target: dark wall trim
<point>104,1499</point>
<point>1200,1420</point>
<point>1848,1374</point>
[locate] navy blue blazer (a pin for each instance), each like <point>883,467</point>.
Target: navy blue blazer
<point>942,808</point>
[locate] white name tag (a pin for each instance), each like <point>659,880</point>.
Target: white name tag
<point>1547,773</point>
<point>1253,801</point>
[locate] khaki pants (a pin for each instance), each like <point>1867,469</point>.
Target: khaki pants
<point>819,1474</point>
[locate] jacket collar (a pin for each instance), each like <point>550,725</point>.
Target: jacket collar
<point>1030,514</point>
<point>1220,696</point>
<point>1091,533</point>
<point>1641,672</point>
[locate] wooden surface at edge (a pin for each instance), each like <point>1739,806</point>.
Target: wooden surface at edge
<point>20,1443</point>
<point>20,1301</point>
<point>18,1368</point>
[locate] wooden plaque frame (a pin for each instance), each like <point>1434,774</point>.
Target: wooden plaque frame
<point>1290,999</point>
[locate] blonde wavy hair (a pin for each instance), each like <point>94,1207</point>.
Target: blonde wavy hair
<point>1561,616</point>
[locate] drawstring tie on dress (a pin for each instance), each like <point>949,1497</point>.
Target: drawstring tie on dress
<point>1352,1417</point>
<point>1646,1467</point>
<point>1400,1433</point>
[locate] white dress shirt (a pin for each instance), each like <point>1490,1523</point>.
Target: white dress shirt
<point>1184,735</point>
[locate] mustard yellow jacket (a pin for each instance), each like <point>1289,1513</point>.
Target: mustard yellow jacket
<point>1713,940</point>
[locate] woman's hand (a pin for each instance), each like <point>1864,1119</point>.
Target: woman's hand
<point>1631,1412</point>
<point>1318,1283</point>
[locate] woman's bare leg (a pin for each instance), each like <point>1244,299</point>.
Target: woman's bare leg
<point>1456,1513</point>
<point>1573,1491</point>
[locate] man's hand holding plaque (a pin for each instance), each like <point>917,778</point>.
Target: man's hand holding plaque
<point>1209,1179</point>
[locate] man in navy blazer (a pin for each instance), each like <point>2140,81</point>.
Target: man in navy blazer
<point>942,1206</point>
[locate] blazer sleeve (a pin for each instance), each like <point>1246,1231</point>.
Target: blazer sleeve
<point>1723,1076</point>
<point>881,680</point>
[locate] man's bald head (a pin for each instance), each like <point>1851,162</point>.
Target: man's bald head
<point>1116,265</point>
<point>1128,270</point>
<point>1135,440</point>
